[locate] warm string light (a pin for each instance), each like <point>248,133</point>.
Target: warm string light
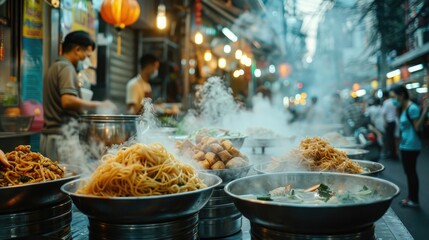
<point>161,18</point>
<point>207,56</point>
<point>221,63</point>
<point>199,38</point>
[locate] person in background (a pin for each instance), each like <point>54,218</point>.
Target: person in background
<point>376,120</point>
<point>62,101</point>
<point>388,110</point>
<point>138,88</point>
<point>313,114</point>
<point>354,116</point>
<point>410,120</point>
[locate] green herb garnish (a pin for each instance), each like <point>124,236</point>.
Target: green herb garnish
<point>324,192</point>
<point>264,197</point>
<point>24,178</point>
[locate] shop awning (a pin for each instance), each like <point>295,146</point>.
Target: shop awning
<point>411,55</point>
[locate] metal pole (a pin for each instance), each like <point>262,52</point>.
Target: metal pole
<point>186,55</point>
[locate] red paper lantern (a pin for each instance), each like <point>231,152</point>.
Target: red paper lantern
<point>119,14</point>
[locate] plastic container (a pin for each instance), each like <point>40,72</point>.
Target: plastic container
<point>11,92</point>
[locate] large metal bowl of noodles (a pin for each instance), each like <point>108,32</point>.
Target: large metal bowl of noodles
<point>370,168</point>
<point>311,218</point>
<point>146,209</point>
<point>36,195</point>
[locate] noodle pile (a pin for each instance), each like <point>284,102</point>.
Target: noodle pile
<point>141,170</point>
<point>315,154</point>
<point>28,167</point>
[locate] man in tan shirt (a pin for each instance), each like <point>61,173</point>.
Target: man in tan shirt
<point>138,88</point>
<point>62,102</point>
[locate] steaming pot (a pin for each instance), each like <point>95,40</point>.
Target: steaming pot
<point>106,129</point>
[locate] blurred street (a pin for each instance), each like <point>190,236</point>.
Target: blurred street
<point>415,220</point>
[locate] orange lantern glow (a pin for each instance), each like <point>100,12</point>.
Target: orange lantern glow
<point>119,14</point>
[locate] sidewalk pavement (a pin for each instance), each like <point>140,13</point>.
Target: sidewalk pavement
<point>416,220</point>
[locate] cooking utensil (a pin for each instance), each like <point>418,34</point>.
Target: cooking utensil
<point>371,168</point>
<point>311,218</point>
<point>149,209</point>
<point>36,195</point>
<point>101,131</point>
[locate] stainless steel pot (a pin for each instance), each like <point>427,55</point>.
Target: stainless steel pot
<point>106,130</point>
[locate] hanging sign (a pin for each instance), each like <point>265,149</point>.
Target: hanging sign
<point>32,54</point>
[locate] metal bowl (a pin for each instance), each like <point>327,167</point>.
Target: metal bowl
<point>106,130</point>
<point>266,142</point>
<point>371,168</point>
<point>36,195</point>
<point>348,145</point>
<point>150,209</point>
<point>229,174</point>
<point>311,218</point>
<point>354,153</point>
<point>16,123</point>
<point>237,142</point>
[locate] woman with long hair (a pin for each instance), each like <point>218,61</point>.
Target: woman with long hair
<point>410,120</point>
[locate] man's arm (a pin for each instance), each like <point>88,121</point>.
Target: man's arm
<point>73,103</point>
<point>132,109</point>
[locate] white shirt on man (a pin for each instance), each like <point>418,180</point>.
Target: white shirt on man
<point>137,90</point>
<point>389,110</point>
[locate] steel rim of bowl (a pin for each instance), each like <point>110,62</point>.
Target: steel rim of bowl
<point>353,151</point>
<point>380,167</point>
<point>261,168</point>
<point>76,175</point>
<point>108,118</point>
<point>217,180</point>
<point>397,190</point>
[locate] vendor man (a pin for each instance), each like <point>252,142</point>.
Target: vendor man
<point>62,101</point>
<point>138,88</point>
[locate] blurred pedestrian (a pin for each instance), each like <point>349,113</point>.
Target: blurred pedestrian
<point>376,120</point>
<point>354,116</point>
<point>138,88</point>
<point>410,120</point>
<point>313,113</point>
<point>389,112</point>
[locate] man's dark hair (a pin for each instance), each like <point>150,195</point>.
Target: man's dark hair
<point>77,38</point>
<point>147,59</point>
<point>401,90</point>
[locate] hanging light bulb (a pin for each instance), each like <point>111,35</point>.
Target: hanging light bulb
<point>161,18</point>
<point>227,49</point>
<point>199,38</point>
<point>207,55</point>
<point>221,63</point>
<point>238,54</point>
<point>243,59</point>
<point>248,62</point>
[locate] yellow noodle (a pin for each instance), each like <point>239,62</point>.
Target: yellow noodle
<point>316,154</point>
<point>141,170</point>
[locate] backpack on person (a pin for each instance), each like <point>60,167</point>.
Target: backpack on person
<point>421,131</point>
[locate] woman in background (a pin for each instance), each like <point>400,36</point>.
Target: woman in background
<point>410,120</point>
